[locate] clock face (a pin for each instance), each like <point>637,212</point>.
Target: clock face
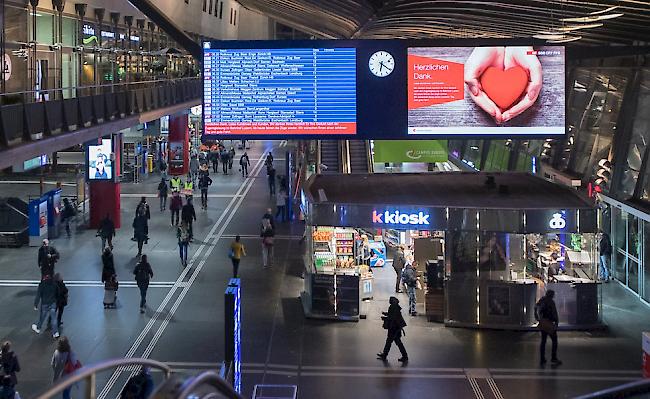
<point>381,64</point>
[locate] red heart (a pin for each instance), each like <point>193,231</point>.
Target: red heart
<point>504,87</point>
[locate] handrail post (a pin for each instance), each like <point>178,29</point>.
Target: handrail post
<point>91,386</point>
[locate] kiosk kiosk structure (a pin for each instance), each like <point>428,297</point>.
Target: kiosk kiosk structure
<point>490,243</point>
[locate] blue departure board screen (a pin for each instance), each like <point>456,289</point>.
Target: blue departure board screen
<point>280,91</point>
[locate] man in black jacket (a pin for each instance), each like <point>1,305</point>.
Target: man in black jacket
<point>106,231</point>
<point>47,257</point>
<point>204,183</point>
<point>605,252</point>
<point>394,323</point>
<point>46,297</point>
<point>546,313</point>
<point>188,215</point>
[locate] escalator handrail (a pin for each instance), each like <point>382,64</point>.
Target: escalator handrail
<point>213,379</point>
<point>90,371</point>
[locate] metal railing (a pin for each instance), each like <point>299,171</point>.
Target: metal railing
<point>208,378</point>
<point>77,91</point>
<point>89,375</point>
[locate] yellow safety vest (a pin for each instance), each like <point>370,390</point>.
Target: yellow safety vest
<point>176,183</point>
<point>189,186</point>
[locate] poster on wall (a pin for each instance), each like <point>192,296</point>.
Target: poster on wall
<point>498,90</point>
<point>175,155</point>
<point>100,165</point>
<point>422,151</point>
<point>42,219</point>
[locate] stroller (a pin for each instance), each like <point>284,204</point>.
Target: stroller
<point>110,292</point>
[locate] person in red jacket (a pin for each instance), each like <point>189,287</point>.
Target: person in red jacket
<point>175,207</point>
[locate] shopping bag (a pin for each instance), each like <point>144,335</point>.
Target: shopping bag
<point>547,326</point>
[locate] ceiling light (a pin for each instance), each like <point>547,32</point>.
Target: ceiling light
<point>566,39</point>
<point>576,27</point>
<point>592,18</point>
<point>606,10</point>
<point>550,36</point>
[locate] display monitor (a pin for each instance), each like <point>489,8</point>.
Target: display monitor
<point>100,165</point>
<point>486,91</point>
<point>280,91</point>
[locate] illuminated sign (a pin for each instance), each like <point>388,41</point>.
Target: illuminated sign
<point>233,331</point>
<point>557,222</point>
<point>396,217</point>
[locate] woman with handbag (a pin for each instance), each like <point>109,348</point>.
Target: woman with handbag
<point>237,250</point>
<point>394,323</point>
<point>267,242</point>
<point>546,314</point>
<point>64,362</point>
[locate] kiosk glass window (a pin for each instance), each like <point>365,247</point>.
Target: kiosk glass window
<point>645,292</point>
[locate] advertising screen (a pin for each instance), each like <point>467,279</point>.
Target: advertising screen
<point>492,91</point>
<point>100,166</point>
<point>287,91</point>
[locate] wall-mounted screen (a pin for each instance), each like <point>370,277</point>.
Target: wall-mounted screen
<point>286,91</point>
<point>383,89</point>
<point>100,165</point>
<point>497,90</point>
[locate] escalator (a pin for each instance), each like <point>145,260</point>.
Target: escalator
<point>330,157</point>
<point>358,156</point>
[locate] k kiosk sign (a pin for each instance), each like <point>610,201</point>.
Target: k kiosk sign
<point>368,216</point>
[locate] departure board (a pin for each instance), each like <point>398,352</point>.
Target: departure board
<point>282,91</point>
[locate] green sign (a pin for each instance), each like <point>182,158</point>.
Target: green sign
<point>425,151</point>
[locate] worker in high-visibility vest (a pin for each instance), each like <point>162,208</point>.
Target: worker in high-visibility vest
<point>175,183</point>
<point>188,186</point>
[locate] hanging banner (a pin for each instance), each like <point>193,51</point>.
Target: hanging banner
<point>424,151</point>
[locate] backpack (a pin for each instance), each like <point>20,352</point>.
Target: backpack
<point>408,278</point>
<point>542,310</point>
<point>141,273</point>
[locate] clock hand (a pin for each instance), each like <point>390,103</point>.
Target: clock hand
<point>381,65</point>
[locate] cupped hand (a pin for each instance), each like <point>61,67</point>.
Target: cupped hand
<point>520,56</point>
<point>480,59</point>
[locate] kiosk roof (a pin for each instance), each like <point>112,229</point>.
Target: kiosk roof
<point>448,189</point>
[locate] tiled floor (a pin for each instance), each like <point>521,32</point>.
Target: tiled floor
<point>184,323</point>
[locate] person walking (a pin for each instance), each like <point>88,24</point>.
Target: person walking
<point>546,314</point>
<point>46,297</point>
<point>267,235</point>
<point>237,250</point>
<point>108,264</point>
<point>244,163</point>
<point>398,265</point>
<point>183,235</point>
<point>162,194</point>
<point>194,168</point>
<point>143,273</point>
<point>224,155</point>
<point>394,324</point>
<point>175,184</point>
<point>9,363</point>
<point>47,258</point>
<point>204,183</point>
<point>270,173</point>
<point>110,292</point>
<point>214,158</point>
<point>68,213</point>
<point>231,157</point>
<point>269,216</point>
<point>605,252</point>
<point>188,215</point>
<point>140,386</point>
<point>64,362</point>
<point>106,231</point>
<point>281,204</point>
<point>61,298</point>
<point>140,231</point>
<point>175,207</point>
<point>7,390</point>
<point>268,162</point>
<point>409,277</point>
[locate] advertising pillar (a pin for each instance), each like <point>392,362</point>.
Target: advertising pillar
<point>104,191</point>
<point>54,212</point>
<point>645,344</point>
<point>37,221</point>
<point>178,159</point>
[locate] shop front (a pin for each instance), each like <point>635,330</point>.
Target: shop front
<point>487,246</point>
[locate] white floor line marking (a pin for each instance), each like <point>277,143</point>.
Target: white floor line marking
<point>253,236</point>
<point>155,195</point>
<point>476,388</point>
<point>380,368</point>
<point>89,285</point>
<point>566,371</point>
<point>494,388</point>
<point>239,200</point>
<point>377,375</point>
<point>37,182</point>
<point>564,377</point>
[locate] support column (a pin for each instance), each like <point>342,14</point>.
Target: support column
<point>105,194</point>
<point>179,133</point>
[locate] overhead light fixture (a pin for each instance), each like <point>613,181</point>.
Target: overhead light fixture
<point>550,36</point>
<point>605,11</point>
<point>592,18</point>
<point>572,28</point>
<point>567,39</point>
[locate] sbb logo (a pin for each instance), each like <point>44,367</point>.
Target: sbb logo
<point>557,221</point>
<point>396,217</point>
